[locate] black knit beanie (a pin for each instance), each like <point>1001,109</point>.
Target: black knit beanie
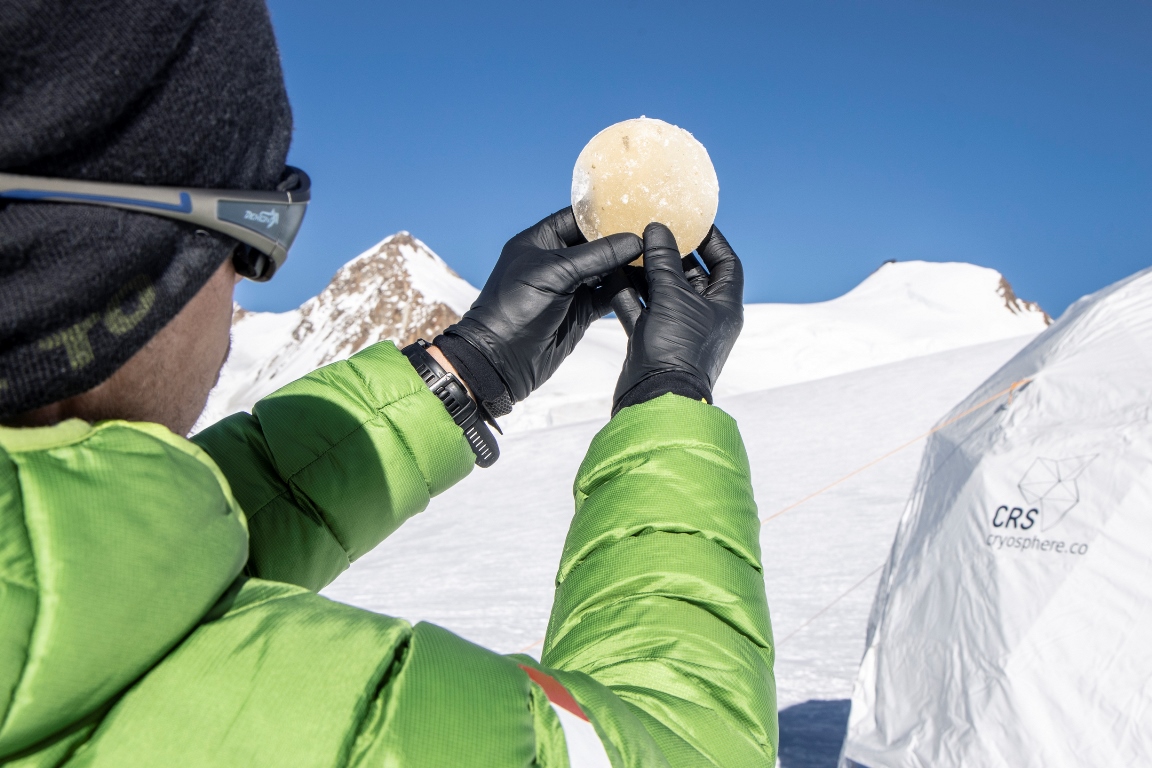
<point>179,93</point>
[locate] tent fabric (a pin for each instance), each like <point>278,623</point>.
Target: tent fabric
<point>1012,619</point>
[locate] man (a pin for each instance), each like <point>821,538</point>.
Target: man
<point>157,595</point>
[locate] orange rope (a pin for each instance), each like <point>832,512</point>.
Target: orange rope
<point>527,648</point>
<point>895,451</point>
<point>820,612</point>
<point>1010,391</point>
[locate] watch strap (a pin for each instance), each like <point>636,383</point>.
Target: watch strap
<point>460,406</point>
<point>478,374</point>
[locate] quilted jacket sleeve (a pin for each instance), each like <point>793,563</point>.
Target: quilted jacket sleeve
<point>660,597</point>
<point>328,466</point>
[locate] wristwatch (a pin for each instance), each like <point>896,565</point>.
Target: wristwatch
<point>454,395</point>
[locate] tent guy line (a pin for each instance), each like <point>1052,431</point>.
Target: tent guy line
<point>1009,392</point>
<point>794,632</point>
<point>1035,652</point>
<point>821,612</point>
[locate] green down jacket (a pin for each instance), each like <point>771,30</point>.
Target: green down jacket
<point>157,602</point>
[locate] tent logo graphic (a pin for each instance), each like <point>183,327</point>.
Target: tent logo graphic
<point>1050,485</point>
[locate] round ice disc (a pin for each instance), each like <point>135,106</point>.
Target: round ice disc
<point>644,170</point>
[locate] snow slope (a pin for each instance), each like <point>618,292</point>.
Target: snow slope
<point>481,560</point>
<point>902,310</point>
<point>818,390</point>
<point>399,289</point>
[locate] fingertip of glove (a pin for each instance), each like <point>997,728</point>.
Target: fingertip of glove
<point>657,230</point>
<point>563,223</point>
<point>626,245</point>
<point>658,237</point>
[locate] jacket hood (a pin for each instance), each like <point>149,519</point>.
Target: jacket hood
<point>115,540</point>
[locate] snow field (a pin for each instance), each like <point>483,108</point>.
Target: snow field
<point>818,390</point>
<point>481,560</point>
<point>800,439</point>
<point>902,310</point>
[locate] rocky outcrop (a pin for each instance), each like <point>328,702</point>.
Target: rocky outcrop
<point>371,298</point>
<point>398,290</point>
<point>1018,306</point>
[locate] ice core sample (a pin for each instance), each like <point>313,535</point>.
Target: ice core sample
<point>644,170</point>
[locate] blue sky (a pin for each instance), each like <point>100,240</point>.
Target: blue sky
<point>1010,134</point>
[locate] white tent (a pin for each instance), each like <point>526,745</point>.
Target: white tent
<point>1013,621</point>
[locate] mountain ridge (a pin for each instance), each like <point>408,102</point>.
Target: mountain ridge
<point>400,289</point>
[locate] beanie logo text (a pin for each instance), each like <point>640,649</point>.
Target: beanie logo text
<point>116,319</point>
<point>75,343</point>
<point>138,293</point>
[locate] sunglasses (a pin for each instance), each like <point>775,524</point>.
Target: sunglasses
<point>265,223</point>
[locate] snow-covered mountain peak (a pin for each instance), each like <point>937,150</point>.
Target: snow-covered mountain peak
<point>392,268</point>
<point>398,289</point>
<point>953,287</point>
<point>902,310</point>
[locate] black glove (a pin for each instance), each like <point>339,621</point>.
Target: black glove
<point>540,298</point>
<point>688,325</point>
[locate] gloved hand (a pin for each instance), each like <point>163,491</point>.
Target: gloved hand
<point>538,302</point>
<point>683,335</point>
